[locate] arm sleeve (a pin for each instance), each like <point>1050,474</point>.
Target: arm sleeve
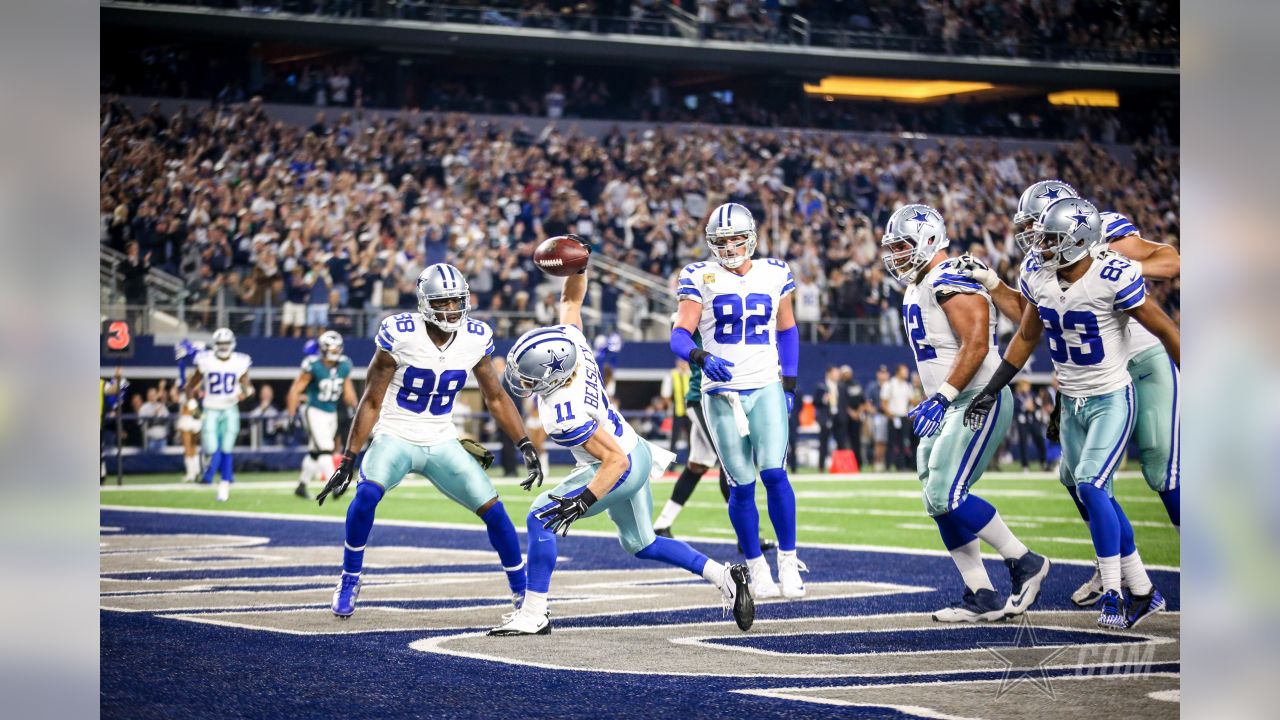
<point>789,351</point>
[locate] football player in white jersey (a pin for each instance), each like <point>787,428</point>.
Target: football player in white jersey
<point>1155,378</point>
<point>749,357</point>
<point>615,466</point>
<point>420,363</point>
<point>223,376</point>
<point>1085,305</point>
<point>950,325</point>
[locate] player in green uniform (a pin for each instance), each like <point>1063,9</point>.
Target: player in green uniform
<point>325,377</point>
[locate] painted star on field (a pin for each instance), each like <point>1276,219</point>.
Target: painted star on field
<point>1024,659</point>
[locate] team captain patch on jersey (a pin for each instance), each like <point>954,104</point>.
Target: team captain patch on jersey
<point>418,406</point>
<point>571,413</point>
<point>1086,325</point>
<point>221,378</point>
<point>739,317</point>
<point>929,333</point>
<point>326,384</point>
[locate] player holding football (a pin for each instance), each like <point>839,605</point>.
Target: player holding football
<point>750,357</point>
<point>1085,304</point>
<point>419,366</point>
<point>615,466</point>
<point>223,376</point>
<point>1155,378</point>
<point>325,376</point>
<point>950,326</point>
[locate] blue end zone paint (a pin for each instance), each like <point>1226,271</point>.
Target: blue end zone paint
<point>941,637</point>
<point>156,668</point>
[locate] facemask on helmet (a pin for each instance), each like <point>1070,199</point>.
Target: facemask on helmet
<point>914,234</point>
<point>541,362</point>
<point>731,235</point>
<point>331,346</point>
<point>224,343</point>
<point>1032,204</point>
<point>1065,232</point>
<point>444,298</point>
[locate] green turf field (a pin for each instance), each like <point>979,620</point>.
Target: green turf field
<point>879,510</point>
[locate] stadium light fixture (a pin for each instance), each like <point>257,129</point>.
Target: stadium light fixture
<point>1089,98</point>
<point>893,88</point>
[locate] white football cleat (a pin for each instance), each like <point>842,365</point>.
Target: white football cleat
<point>762,585</point>
<point>523,622</point>
<point>224,491</point>
<point>1088,594</point>
<point>789,569</point>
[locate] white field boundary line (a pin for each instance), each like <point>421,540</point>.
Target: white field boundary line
<point>478,527</point>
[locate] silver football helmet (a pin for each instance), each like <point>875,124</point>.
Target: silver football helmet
<point>730,229</point>
<point>540,362</point>
<point>1065,232</point>
<point>437,285</point>
<point>331,345</point>
<point>915,234</point>
<point>1032,203</point>
<point>224,343</point>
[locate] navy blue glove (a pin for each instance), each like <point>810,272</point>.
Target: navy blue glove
<point>717,368</point>
<point>927,416</point>
<point>791,401</point>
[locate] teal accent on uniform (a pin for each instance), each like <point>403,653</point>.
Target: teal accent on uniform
<point>630,504</point>
<point>1155,382</point>
<point>1094,434</point>
<point>325,388</point>
<point>765,448</point>
<point>451,469</point>
<point>951,460</point>
<point>219,428</point>
<point>695,375</point>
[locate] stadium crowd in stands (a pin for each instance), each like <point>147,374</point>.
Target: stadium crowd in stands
<point>343,214</point>
<point>1062,29</point>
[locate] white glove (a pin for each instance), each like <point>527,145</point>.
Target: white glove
<point>972,267</point>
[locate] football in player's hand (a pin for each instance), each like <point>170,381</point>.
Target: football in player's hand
<point>561,256</point>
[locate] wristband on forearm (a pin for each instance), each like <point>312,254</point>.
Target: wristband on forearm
<point>789,383</point>
<point>697,356</point>
<point>1002,376</point>
<point>588,498</point>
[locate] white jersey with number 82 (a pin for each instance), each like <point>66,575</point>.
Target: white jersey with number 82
<point>739,318</point>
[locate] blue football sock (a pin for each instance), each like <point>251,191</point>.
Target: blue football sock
<point>502,536</point>
<point>674,552</point>
<point>359,524</point>
<point>1075,497</point>
<point>1127,545</point>
<point>973,514</point>
<point>953,533</point>
<point>1173,505</point>
<point>1104,526</point>
<point>227,466</point>
<point>745,519</point>
<point>782,506</point>
<point>542,554</point>
<point>215,463</point>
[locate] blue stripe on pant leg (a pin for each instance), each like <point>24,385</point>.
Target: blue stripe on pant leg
<point>1174,470</point>
<point>1117,453</point>
<point>970,459</point>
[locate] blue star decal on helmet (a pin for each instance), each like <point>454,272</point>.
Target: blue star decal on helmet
<point>1051,194</point>
<point>920,218</point>
<point>556,363</point>
<point>1081,218</point>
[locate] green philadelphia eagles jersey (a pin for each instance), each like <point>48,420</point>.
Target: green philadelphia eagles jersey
<point>325,388</point>
<point>695,376</point>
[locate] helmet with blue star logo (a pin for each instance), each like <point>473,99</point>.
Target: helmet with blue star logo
<point>915,234</point>
<point>1032,203</point>
<point>731,234</point>
<point>541,361</point>
<point>444,298</point>
<point>1065,232</point>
